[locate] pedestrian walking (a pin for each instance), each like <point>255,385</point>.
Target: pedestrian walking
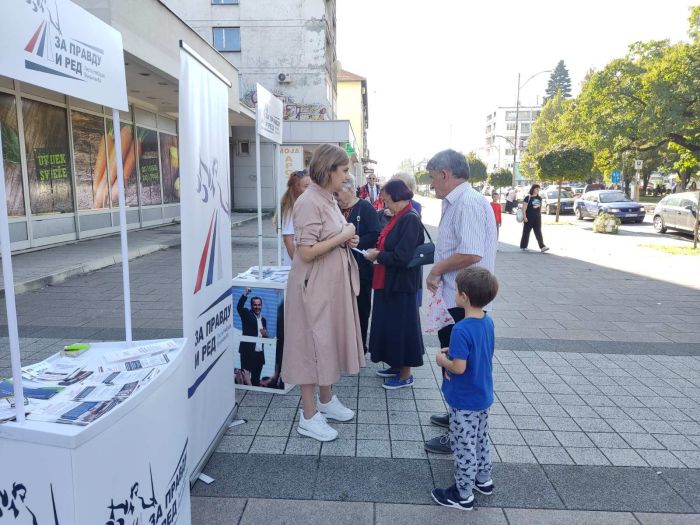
<point>395,337</point>
<point>321,321</point>
<point>360,214</point>
<point>468,389</point>
<point>532,218</point>
<point>496,206</point>
<point>466,237</point>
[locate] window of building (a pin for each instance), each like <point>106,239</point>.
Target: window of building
<point>93,184</point>
<point>525,127</point>
<point>222,2</point>
<point>510,126</point>
<point>48,158</point>
<point>170,166</point>
<point>227,38</point>
<point>11,155</point>
<point>510,115</point>
<point>130,144</point>
<point>509,151</point>
<point>149,167</point>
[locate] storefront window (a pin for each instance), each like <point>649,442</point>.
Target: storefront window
<point>149,167</point>
<point>129,147</point>
<point>11,156</point>
<point>171,167</point>
<point>48,159</point>
<point>90,156</point>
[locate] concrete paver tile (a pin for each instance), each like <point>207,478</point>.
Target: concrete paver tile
<point>660,458</point>
<point>275,428</point>
<point>560,423</point>
<point>210,511</point>
<point>235,444</point>
<point>407,418</point>
<point>691,458</point>
<point>593,424</point>
<point>303,446</point>
<point>675,442</point>
<point>373,431</point>
<point>587,456</point>
<point>339,447</point>
<point>408,449</point>
<point>551,455</point>
<point>373,449</point>
<point>268,445</point>
<point>623,457</point>
<point>543,438</point>
<point>667,519</point>
<point>515,454</point>
<point>607,439</point>
<point>529,423</point>
<point>570,517</point>
<point>372,416</point>
<point>406,432</point>
<point>501,436</point>
<point>644,440</point>
<point>308,512</point>
<point>573,439</point>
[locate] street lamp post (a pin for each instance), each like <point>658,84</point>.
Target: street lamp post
<point>517,116</point>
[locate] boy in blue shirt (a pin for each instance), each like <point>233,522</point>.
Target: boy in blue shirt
<point>468,389</point>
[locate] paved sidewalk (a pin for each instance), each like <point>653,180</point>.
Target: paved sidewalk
<point>54,264</point>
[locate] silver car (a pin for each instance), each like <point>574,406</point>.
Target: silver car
<point>677,211</point>
<point>549,201</point>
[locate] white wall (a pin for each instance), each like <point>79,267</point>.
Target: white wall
<point>244,173</point>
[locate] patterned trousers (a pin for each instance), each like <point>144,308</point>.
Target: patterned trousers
<point>469,439</point>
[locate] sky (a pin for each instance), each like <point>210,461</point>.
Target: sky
<point>436,68</point>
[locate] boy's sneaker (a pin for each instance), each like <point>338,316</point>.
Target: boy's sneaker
<point>485,487</point>
<point>396,382</point>
<point>439,445</point>
<point>388,372</point>
<point>544,249</point>
<point>334,409</point>
<point>316,427</point>
<point>450,497</point>
<point>440,420</point>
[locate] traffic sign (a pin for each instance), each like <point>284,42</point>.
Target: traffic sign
<point>638,164</point>
<point>615,178</point>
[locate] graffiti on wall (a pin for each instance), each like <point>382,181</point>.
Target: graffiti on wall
<point>293,110</point>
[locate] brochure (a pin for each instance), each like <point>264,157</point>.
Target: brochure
<point>136,352</point>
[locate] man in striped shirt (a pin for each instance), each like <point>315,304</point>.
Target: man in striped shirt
<point>467,236</point>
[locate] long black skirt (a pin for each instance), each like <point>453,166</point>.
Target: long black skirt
<point>395,336</point>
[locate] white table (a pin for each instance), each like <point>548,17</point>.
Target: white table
<point>129,464</point>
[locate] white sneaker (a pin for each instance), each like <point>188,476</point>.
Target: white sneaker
<point>316,427</point>
<point>334,409</point>
<point>544,249</point>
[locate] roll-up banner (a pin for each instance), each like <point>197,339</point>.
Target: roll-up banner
<point>206,252</point>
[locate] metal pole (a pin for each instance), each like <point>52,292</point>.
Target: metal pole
<point>517,115</point>
<point>258,184</point>
<point>696,231</point>
<point>122,224</point>
<point>10,306</point>
<point>278,205</point>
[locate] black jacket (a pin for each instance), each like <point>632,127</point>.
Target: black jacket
<point>399,247</point>
<point>364,218</point>
<point>249,323</point>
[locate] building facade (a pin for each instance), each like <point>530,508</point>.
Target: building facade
<point>58,151</point>
<point>352,106</point>
<point>500,144</point>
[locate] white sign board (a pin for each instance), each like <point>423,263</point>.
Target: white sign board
<point>638,164</point>
<point>205,198</point>
<point>57,45</point>
<point>291,159</point>
<point>269,115</point>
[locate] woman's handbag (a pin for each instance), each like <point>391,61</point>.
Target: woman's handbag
<point>425,253</point>
<point>519,215</point>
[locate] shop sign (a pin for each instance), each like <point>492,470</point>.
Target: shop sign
<point>269,115</point>
<point>60,46</point>
<point>292,159</point>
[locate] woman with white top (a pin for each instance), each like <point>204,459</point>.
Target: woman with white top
<point>296,184</point>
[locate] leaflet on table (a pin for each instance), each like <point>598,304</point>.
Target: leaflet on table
<point>143,376</point>
<point>271,273</point>
<point>52,370</point>
<point>137,364</point>
<point>7,408</point>
<point>7,389</point>
<point>106,392</point>
<point>136,352</point>
<point>72,412</point>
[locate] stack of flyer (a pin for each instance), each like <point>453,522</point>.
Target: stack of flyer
<point>79,390</point>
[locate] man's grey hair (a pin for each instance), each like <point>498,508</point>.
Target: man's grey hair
<point>349,183</point>
<point>409,179</point>
<point>451,160</point>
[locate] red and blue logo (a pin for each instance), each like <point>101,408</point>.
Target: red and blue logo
<point>37,44</point>
<point>210,261</point>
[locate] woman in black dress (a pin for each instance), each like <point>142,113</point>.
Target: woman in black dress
<point>532,218</point>
<point>395,336</point>
<point>363,216</point>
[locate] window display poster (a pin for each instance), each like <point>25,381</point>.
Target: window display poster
<point>11,155</point>
<point>48,160</point>
<point>149,167</point>
<point>131,148</point>
<point>90,159</point>
<point>258,326</point>
<point>170,164</point>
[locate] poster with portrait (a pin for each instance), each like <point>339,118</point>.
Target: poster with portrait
<point>258,328</point>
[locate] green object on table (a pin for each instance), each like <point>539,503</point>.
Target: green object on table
<point>76,347</point>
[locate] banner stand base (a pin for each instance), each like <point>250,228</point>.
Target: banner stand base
<point>212,447</point>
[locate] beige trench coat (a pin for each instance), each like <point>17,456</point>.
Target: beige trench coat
<point>321,324</point>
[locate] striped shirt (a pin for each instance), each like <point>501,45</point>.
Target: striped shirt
<point>468,227</point>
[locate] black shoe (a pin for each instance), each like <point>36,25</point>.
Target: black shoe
<point>450,497</point>
<point>441,420</point>
<point>486,487</point>
<point>439,445</point>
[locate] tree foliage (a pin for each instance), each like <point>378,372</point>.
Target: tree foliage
<point>559,82</point>
<point>548,130</point>
<point>501,178</point>
<point>407,166</point>
<point>477,168</point>
<point>561,163</point>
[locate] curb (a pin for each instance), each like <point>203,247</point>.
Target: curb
<point>100,264</point>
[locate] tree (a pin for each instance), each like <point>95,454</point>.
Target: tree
<point>501,178</point>
<point>407,166</point>
<point>477,168</point>
<point>546,132</point>
<point>559,82</point>
<point>562,163</point>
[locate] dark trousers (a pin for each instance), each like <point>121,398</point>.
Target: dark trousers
<point>509,207</point>
<point>534,224</point>
<point>364,307</point>
<point>445,333</point>
<point>253,362</point>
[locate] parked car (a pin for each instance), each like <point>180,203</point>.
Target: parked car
<point>549,201</point>
<point>677,211</point>
<point>577,190</point>
<point>593,187</point>
<point>614,202</point>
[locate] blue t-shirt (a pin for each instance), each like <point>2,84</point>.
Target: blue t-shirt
<point>471,340</point>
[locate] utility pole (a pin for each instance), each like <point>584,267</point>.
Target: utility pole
<point>517,115</point>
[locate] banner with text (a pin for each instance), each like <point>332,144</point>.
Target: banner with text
<point>268,115</point>
<point>62,47</point>
<point>206,251</point>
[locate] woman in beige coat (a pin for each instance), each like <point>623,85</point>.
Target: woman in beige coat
<point>321,323</point>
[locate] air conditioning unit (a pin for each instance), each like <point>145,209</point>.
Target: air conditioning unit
<point>284,78</point>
